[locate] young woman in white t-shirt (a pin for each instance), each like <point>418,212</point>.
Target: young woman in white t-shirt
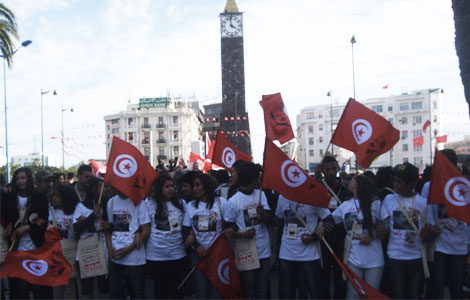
<point>64,201</point>
<point>165,250</point>
<point>202,223</point>
<point>362,248</point>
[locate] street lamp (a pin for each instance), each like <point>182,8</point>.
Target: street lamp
<point>353,41</point>
<point>330,94</point>
<point>63,137</point>
<point>23,44</point>
<point>42,126</point>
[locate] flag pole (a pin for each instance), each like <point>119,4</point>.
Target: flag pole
<point>101,194</point>
<point>262,173</point>
<point>186,278</point>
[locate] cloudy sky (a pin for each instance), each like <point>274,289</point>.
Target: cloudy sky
<point>98,55</point>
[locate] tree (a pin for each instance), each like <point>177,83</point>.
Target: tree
<point>461,10</point>
<point>8,29</point>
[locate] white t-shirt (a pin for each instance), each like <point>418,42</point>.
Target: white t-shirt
<point>362,256</point>
<point>292,247</point>
<point>206,223</point>
<point>25,243</point>
<point>404,242</point>
<point>243,212</point>
<point>126,219</point>
<point>82,210</point>
<point>165,241</point>
<point>64,222</point>
<point>448,242</point>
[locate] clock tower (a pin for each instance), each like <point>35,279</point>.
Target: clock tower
<point>234,118</point>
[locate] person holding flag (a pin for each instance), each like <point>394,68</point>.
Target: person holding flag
<point>450,231</point>
<point>362,246</point>
<point>404,214</point>
<point>203,222</point>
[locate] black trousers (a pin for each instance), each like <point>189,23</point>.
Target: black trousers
<point>167,275</point>
<point>19,289</point>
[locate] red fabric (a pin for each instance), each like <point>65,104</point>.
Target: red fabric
<point>98,168</point>
<point>276,119</point>
<point>226,154</point>
<point>441,139</point>
<point>385,87</point>
<point>208,143</point>
<point>364,290</point>
<point>219,266</point>
<point>450,188</point>
<point>128,171</point>
<point>208,161</point>
<point>284,176</point>
<point>418,141</point>
<point>193,157</point>
<point>364,132</point>
<point>43,266</point>
<point>426,125</point>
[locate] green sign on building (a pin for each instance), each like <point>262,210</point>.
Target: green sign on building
<point>154,102</point>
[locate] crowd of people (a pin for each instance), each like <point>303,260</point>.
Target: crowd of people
<point>379,224</point>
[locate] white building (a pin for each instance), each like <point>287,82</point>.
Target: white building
<point>35,158</point>
<point>407,112</point>
<point>161,128</point>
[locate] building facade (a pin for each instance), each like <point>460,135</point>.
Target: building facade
<point>407,112</point>
<point>35,158</point>
<point>161,128</point>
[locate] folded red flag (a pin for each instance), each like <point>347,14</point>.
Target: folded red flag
<point>276,119</point>
<point>44,266</point>
<point>426,125</point>
<point>450,188</point>
<point>99,169</point>
<point>226,154</point>
<point>364,132</point>
<point>441,139</point>
<point>219,266</point>
<point>128,171</point>
<point>418,141</point>
<point>284,176</point>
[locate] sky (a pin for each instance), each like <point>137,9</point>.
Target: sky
<point>99,55</point>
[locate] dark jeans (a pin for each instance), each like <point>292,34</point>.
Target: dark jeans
<point>255,282</point>
<point>87,284</point>
<point>204,288</point>
<point>406,278</point>
<point>446,270</point>
<point>290,273</point>
<point>118,273</point>
<point>167,275</point>
<point>19,289</point>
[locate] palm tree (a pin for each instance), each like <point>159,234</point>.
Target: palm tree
<point>8,29</point>
<point>462,41</point>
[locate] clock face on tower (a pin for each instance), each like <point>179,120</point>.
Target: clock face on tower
<point>231,25</point>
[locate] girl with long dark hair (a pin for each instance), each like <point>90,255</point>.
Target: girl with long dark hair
<point>362,247</point>
<point>165,250</point>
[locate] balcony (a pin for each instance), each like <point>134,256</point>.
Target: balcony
<point>145,141</point>
<point>146,126</point>
<point>161,156</point>
<point>161,126</point>
<point>161,141</point>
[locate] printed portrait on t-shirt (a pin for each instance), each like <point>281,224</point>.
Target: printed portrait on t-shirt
<point>161,222</point>
<point>121,221</point>
<point>250,216</point>
<point>64,226</point>
<point>400,221</point>
<point>349,219</point>
<point>206,222</point>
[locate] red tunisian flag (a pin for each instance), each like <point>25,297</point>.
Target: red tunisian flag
<point>208,143</point>
<point>128,171</point>
<point>276,120</point>
<point>364,132</point>
<point>284,176</point>
<point>418,141</point>
<point>441,139</point>
<point>226,154</point>
<point>98,168</point>
<point>426,125</point>
<point>219,266</point>
<point>450,188</point>
<point>43,266</point>
<point>364,290</point>
<point>194,158</point>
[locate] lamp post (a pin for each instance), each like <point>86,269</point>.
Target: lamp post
<point>23,44</point>
<point>353,41</point>
<point>42,126</point>
<point>63,137</point>
<point>330,94</point>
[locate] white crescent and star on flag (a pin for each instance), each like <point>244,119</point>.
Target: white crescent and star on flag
<point>228,157</point>
<point>457,191</point>
<point>35,267</point>
<point>125,166</point>
<point>291,174</point>
<point>362,130</point>
<point>223,271</point>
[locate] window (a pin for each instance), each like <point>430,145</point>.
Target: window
<point>434,104</point>
<point>130,136</point>
<point>115,130</point>
<point>320,127</point>
<point>130,121</point>
<point>161,151</point>
<point>175,119</point>
<point>418,161</point>
<point>335,113</point>
<point>416,120</point>
<point>435,119</point>
<point>390,108</point>
<point>321,152</point>
<point>377,108</point>
<point>310,153</point>
<point>417,105</point>
<point>404,107</point>
<point>320,115</point>
<point>405,159</point>
<point>160,120</point>
<point>390,120</point>
<point>176,151</point>
<point>320,139</point>
<point>404,120</point>
<point>404,134</point>
<point>310,141</point>
<point>175,135</point>
<point>417,133</point>
<point>418,148</point>
<point>147,151</point>
<point>310,128</point>
<point>115,122</point>
<point>161,135</point>
<point>310,115</point>
<point>146,121</point>
<point>435,132</point>
<point>405,147</point>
